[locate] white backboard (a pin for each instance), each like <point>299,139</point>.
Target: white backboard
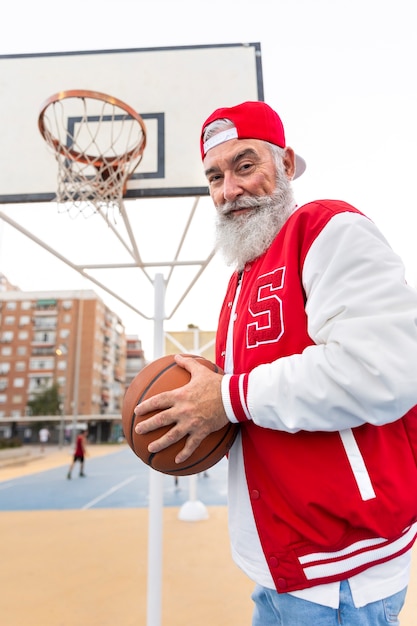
<point>174,89</point>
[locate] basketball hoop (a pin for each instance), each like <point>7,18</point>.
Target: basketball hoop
<point>98,142</point>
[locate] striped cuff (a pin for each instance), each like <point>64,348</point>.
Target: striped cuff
<point>234,396</point>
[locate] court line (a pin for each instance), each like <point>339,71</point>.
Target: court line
<point>5,485</point>
<point>108,492</point>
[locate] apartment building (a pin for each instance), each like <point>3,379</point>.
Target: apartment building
<point>135,358</point>
<point>66,337</point>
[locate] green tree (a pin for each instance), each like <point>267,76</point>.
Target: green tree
<point>46,402</point>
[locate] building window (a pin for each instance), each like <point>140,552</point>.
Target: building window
<point>44,337</point>
<point>6,350</point>
<point>4,368</point>
<point>7,336</point>
<point>26,305</point>
<point>19,382</point>
<point>41,364</point>
<point>67,304</point>
<point>9,320</point>
<point>64,333</point>
<point>23,334</point>
<point>11,306</point>
<point>24,320</point>
<point>20,366</point>
<point>3,398</point>
<point>3,384</point>
<point>40,384</point>
<point>47,323</point>
<point>21,350</point>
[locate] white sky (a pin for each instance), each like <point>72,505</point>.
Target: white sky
<point>341,73</point>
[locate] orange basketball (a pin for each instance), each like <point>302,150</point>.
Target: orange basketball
<point>164,374</point>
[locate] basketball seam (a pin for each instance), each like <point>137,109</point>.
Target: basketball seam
<point>201,459</point>
<point>149,385</point>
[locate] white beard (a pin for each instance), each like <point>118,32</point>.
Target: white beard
<point>243,238</point>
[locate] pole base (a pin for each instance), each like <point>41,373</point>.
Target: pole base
<point>193,511</point>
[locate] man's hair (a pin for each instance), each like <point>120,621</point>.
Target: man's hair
<point>216,127</point>
<point>223,123</point>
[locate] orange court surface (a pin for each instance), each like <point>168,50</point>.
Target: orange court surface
<point>89,567</point>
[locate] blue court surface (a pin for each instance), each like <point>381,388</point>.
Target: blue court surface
<point>117,480</point>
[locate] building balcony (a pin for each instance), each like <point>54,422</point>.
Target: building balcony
<point>43,350</point>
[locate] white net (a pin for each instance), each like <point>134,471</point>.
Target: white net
<point>98,143</point>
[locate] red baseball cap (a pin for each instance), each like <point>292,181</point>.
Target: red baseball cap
<point>252,120</point>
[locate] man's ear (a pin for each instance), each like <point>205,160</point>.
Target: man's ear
<point>289,162</point>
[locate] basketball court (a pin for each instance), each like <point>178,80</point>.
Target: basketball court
<point>115,480</point>
<point>76,550</point>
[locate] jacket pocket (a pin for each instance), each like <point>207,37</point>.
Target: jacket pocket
<point>357,464</point>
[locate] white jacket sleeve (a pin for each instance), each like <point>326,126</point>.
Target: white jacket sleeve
<point>362,317</point>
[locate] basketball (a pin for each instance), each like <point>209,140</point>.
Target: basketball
<point>164,374</point>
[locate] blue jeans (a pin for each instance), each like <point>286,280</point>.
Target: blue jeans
<point>274,609</point>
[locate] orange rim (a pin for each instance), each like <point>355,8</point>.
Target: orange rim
<point>95,95</point>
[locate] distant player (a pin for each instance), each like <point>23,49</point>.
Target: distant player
<point>79,453</point>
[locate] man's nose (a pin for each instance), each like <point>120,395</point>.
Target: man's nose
<point>231,187</point>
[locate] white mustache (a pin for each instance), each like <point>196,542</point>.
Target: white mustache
<point>248,202</point>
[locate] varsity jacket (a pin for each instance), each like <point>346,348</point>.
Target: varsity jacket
<point>325,401</point>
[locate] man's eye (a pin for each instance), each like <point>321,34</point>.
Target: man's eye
<point>243,167</point>
<point>214,178</point>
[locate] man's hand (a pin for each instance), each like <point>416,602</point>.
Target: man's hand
<point>194,410</point>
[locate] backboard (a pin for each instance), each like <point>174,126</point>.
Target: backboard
<point>174,89</point>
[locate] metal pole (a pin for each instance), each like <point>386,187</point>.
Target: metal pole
<point>193,509</point>
<point>193,478</point>
<point>154,592</point>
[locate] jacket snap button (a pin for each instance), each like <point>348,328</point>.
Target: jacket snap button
<point>255,494</point>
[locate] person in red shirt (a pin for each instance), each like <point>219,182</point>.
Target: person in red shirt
<point>317,338</point>
<point>80,453</point>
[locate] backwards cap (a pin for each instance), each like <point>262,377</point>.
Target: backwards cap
<point>251,120</point>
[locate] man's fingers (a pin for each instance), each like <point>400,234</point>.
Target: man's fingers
<point>155,403</point>
<point>191,444</point>
<point>170,437</point>
<point>152,423</point>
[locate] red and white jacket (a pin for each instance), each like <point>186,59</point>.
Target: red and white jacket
<point>318,339</point>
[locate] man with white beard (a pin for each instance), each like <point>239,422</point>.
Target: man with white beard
<point>317,337</point>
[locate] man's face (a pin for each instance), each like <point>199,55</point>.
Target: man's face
<point>238,168</point>
<point>252,194</point>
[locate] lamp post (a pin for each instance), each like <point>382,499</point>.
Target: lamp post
<point>62,425</point>
<point>77,360</point>
<point>61,350</point>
